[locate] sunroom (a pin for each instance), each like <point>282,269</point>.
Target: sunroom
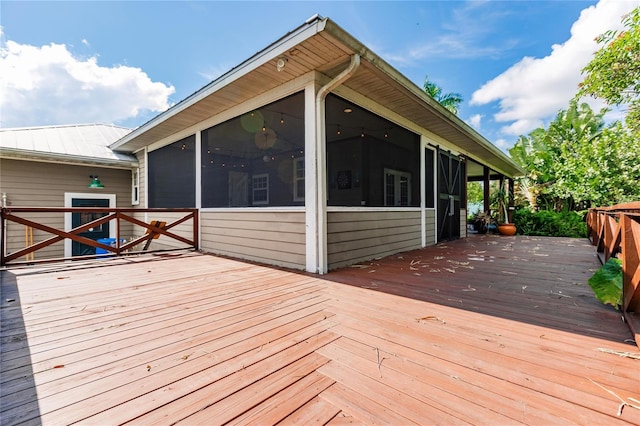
<point>313,154</point>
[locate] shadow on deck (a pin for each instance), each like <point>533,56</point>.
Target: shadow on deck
<point>535,280</point>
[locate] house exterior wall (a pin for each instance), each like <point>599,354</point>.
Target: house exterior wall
<point>39,184</point>
<point>358,235</point>
<point>463,223</point>
<point>430,233</point>
<point>277,235</point>
<point>266,236</point>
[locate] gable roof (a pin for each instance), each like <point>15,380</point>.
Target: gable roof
<point>320,45</point>
<point>76,144</point>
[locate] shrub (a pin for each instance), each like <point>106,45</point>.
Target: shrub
<point>550,224</point>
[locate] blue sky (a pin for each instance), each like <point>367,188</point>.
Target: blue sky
<point>516,63</point>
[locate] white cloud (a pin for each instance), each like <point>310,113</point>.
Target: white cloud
<point>475,121</point>
<point>48,85</point>
<point>503,144</point>
<point>534,89</point>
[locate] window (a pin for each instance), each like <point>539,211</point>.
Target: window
<point>397,188</point>
<point>172,175</point>
<point>135,187</point>
<point>361,145</point>
<point>430,178</point>
<point>298,179</point>
<point>260,188</point>
<point>264,141</point>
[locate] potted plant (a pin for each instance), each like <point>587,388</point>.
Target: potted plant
<point>501,198</point>
<point>481,222</point>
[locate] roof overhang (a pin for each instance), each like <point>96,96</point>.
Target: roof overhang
<point>321,45</point>
<point>48,157</point>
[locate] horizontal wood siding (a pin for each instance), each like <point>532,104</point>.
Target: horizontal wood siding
<point>36,184</point>
<point>463,223</point>
<point>275,238</point>
<point>360,235</point>
<point>430,226</point>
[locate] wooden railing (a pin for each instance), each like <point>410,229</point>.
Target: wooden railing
<point>615,231</point>
<point>122,246</point>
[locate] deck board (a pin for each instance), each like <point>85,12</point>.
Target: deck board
<point>485,330</point>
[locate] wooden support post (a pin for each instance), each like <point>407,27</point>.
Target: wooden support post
<point>486,182</point>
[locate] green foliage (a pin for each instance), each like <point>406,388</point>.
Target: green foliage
<point>605,170</point>
<point>614,72</point>
<point>550,224</point>
<point>475,192</point>
<point>450,101</point>
<point>606,283</point>
<point>577,161</point>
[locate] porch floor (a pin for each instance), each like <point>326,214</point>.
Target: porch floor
<point>484,330</point>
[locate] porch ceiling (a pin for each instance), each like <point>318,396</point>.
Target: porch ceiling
<point>320,45</point>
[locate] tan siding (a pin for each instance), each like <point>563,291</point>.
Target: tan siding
<point>430,226</point>
<point>361,235</point>
<point>463,223</point>
<point>35,184</point>
<point>276,238</point>
<point>143,177</point>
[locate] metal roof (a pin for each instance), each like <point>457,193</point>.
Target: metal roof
<point>321,45</point>
<point>76,144</point>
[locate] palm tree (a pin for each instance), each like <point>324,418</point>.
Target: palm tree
<point>450,101</point>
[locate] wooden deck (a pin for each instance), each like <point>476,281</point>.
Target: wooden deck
<point>487,330</point>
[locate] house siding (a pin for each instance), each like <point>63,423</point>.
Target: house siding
<point>362,235</point>
<point>272,237</point>
<point>430,227</point>
<point>38,184</point>
<point>463,223</point>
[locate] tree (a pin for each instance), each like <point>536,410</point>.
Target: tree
<point>614,72</point>
<point>560,159</point>
<point>450,101</point>
<point>606,168</point>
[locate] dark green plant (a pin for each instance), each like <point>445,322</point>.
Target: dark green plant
<point>549,223</point>
<point>606,283</point>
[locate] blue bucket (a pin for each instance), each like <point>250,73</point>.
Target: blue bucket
<point>107,242</point>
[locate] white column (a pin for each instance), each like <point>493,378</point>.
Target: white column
<point>311,179</point>
<point>423,191</point>
<point>198,166</point>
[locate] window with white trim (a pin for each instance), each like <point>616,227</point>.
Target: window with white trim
<point>397,188</point>
<point>135,186</point>
<point>298,179</point>
<point>260,189</point>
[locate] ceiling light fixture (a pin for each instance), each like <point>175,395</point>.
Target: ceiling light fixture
<point>281,63</point>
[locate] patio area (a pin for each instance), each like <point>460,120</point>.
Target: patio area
<point>483,330</point>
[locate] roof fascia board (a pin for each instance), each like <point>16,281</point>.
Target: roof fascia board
<point>46,157</point>
<point>283,45</point>
<point>336,31</point>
